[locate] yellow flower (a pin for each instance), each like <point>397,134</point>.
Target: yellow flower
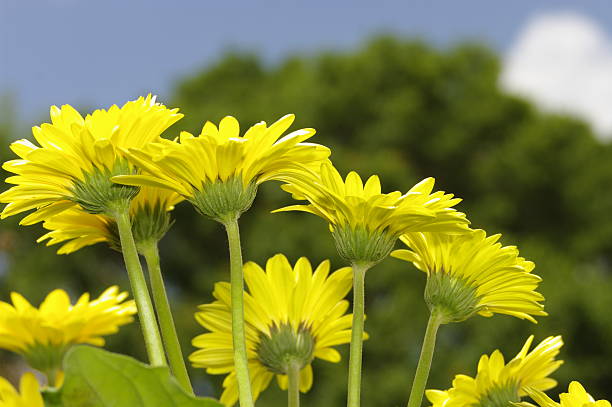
<point>149,212</point>
<point>28,387</point>
<point>219,170</point>
<point>498,384</point>
<point>365,222</point>
<point>292,316</point>
<point>42,335</point>
<point>473,273</point>
<point>77,156</point>
<point>575,397</point>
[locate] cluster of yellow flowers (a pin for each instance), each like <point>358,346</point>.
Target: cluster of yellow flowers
<point>91,176</point>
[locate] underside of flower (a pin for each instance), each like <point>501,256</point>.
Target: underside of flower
<point>450,297</point>
<point>46,358</point>
<point>503,395</point>
<point>358,245</point>
<point>484,276</point>
<point>96,193</point>
<point>286,347</point>
<point>150,223</point>
<point>224,200</point>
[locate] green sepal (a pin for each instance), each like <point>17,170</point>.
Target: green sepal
<point>284,347</point>
<point>357,245</point>
<point>224,201</point>
<point>96,193</point>
<point>98,378</point>
<point>452,298</point>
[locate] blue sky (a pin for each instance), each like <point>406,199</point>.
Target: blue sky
<point>98,53</point>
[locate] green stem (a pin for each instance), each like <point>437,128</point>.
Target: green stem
<point>293,392</point>
<point>150,252</point>
<point>354,379</point>
<point>427,351</point>
<point>237,292</point>
<point>148,321</point>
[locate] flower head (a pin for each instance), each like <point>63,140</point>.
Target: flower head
<point>473,273</point>
<point>366,222</point>
<point>576,396</point>
<point>498,384</point>
<point>75,228</point>
<point>42,335</point>
<point>27,396</point>
<point>77,156</point>
<point>292,315</point>
<point>219,170</point>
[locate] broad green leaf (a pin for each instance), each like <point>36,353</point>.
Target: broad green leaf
<point>98,378</point>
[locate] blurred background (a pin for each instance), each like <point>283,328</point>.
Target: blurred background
<point>507,104</point>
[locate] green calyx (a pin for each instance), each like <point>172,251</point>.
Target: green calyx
<point>503,395</point>
<point>224,200</point>
<point>149,224</point>
<point>286,347</point>
<point>451,298</point>
<point>96,193</point>
<point>357,245</point>
<point>46,358</point>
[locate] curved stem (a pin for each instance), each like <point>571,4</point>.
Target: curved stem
<point>148,321</point>
<point>427,351</point>
<point>237,292</point>
<point>293,391</point>
<point>354,379</point>
<point>150,252</point>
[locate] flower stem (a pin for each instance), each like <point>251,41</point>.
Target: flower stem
<point>237,292</point>
<point>150,252</point>
<point>293,391</point>
<point>148,321</point>
<point>354,379</point>
<point>427,351</point>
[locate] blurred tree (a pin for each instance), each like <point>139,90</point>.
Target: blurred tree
<point>403,110</point>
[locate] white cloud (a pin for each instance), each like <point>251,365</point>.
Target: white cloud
<point>563,62</point>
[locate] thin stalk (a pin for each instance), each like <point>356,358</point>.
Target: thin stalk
<point>237,292</point>
<point>427,351</point>
<point>176,361</point>
<point>354,379</point>
<point>146,315</point>
<point>293,391</point>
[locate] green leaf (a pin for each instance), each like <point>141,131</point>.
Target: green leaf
<point>98,378</point>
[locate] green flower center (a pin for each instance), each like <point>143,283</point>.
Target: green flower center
<point>224,201</point>
<point>452,298</point>
<point>285,347</point>
<point>503,395</point>
<point>96,193</point>
<point>359,245</point>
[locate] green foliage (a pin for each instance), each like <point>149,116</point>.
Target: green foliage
<point>97,378</point>
<point>403,110</point>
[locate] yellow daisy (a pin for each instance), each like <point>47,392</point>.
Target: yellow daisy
<point>43,335</point>
<point>292,316</point>
<point>473,273</point>
<point>77,156</point>
<point>366,222</point>
<point>219,170</point>
<point>149,212</point>
<point>27,396</point>
<point>498,384</point>
<point>576,396</point>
